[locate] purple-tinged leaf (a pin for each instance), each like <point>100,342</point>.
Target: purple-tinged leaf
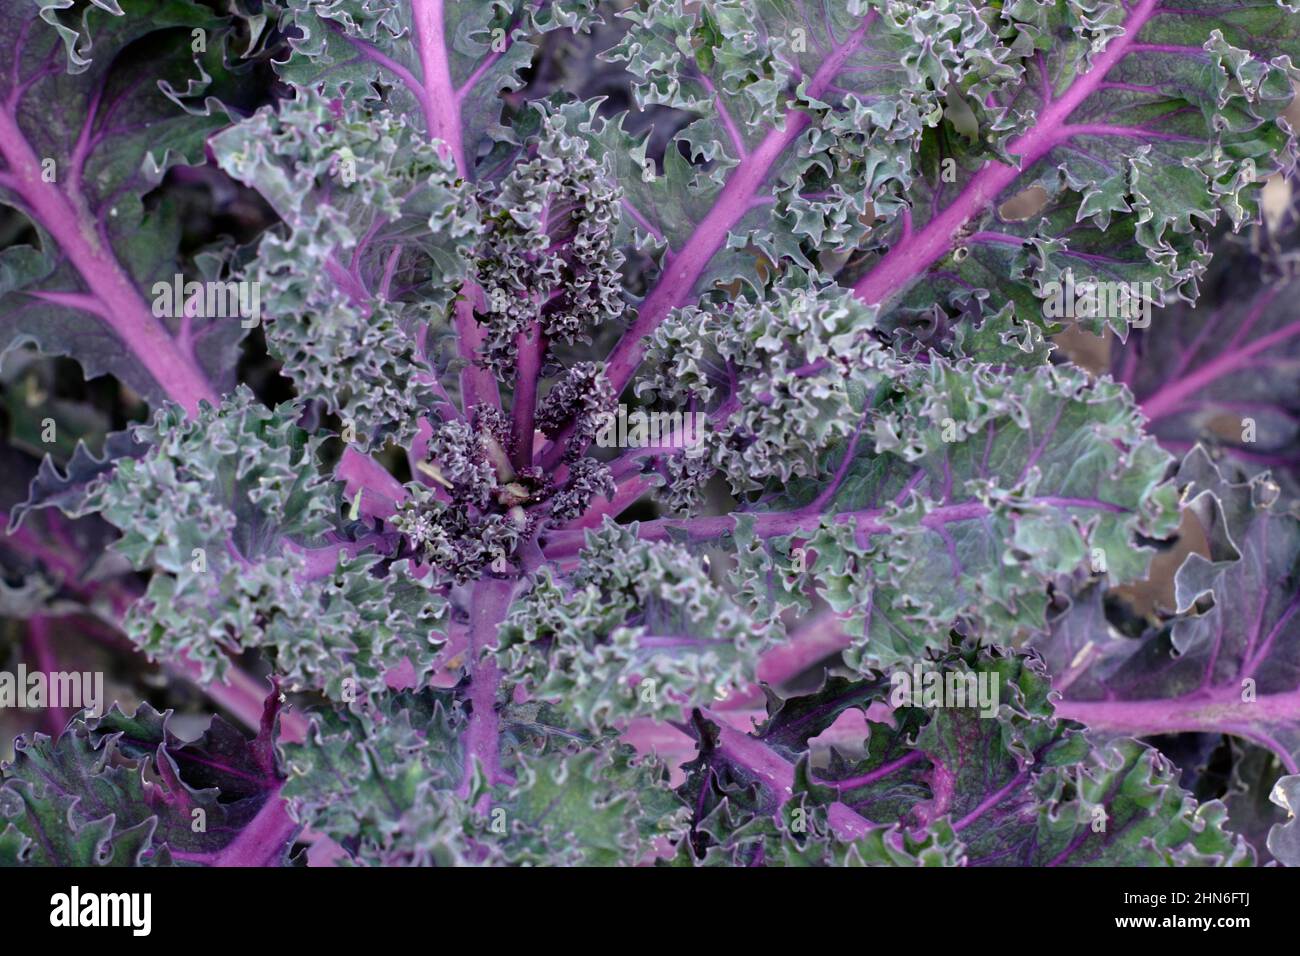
<point>82,139</point>
<point>124,791</point>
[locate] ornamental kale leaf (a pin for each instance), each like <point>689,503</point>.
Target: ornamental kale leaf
<point>630,432</point>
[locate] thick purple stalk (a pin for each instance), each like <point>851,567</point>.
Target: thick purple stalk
<point>777,776</point>
<point>625,496</point>
<point>321,562</point>
<point>442,114</point>
<point>812,642</point>
<point>381,493</point>
<point>490,598</point>
<point>119,303</point>
<point>1220,712</point>
<point>261,843</point>
<point>916,252</point>
<point>482,738</point>
<point>116,301</point>
<point>531,345</point>
<point>774,524</point>
<point>677,282</point>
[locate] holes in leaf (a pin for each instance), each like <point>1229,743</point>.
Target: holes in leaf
<point>47,405</point>
<point>17,230</point>
<point>1024,204</point>
<point>1085,349</point>
<point>1147,598</point>
<point>1205,760</point>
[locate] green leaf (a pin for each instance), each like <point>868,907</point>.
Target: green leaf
<point>378,780</point>
<point>637,630</point>
<point>599,807</point>
<point>983,485</point>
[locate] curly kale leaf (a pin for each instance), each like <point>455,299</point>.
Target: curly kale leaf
<point>123,790</point>
<point>230,513</point>
<point>998,781</point>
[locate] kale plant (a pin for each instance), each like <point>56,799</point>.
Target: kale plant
<point>678,432</point>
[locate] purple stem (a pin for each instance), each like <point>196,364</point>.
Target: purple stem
<point>1171,396</point>
<point>392,66</point>
<point>677,282</point>
<point>837,479</point>
<point>643,222</point>
<point>261,843</point>
<point>733,131</point>
<point>122,308</point>
<point>482,739</point>
<point>626,494</point>
<point>907,260</point>
<point>777,775</point>
<point>481,70</point>
<point>880,773</point>
<point>991,801</point>
<point>774,524</point>
<point>38,642</point>
<point>490,599</point>
<point>120,305</point>
<point>531,346</point>
<point>812,642</point>
<point>1220,711</point>
<point>381,493</point>
<point>442,114</point>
